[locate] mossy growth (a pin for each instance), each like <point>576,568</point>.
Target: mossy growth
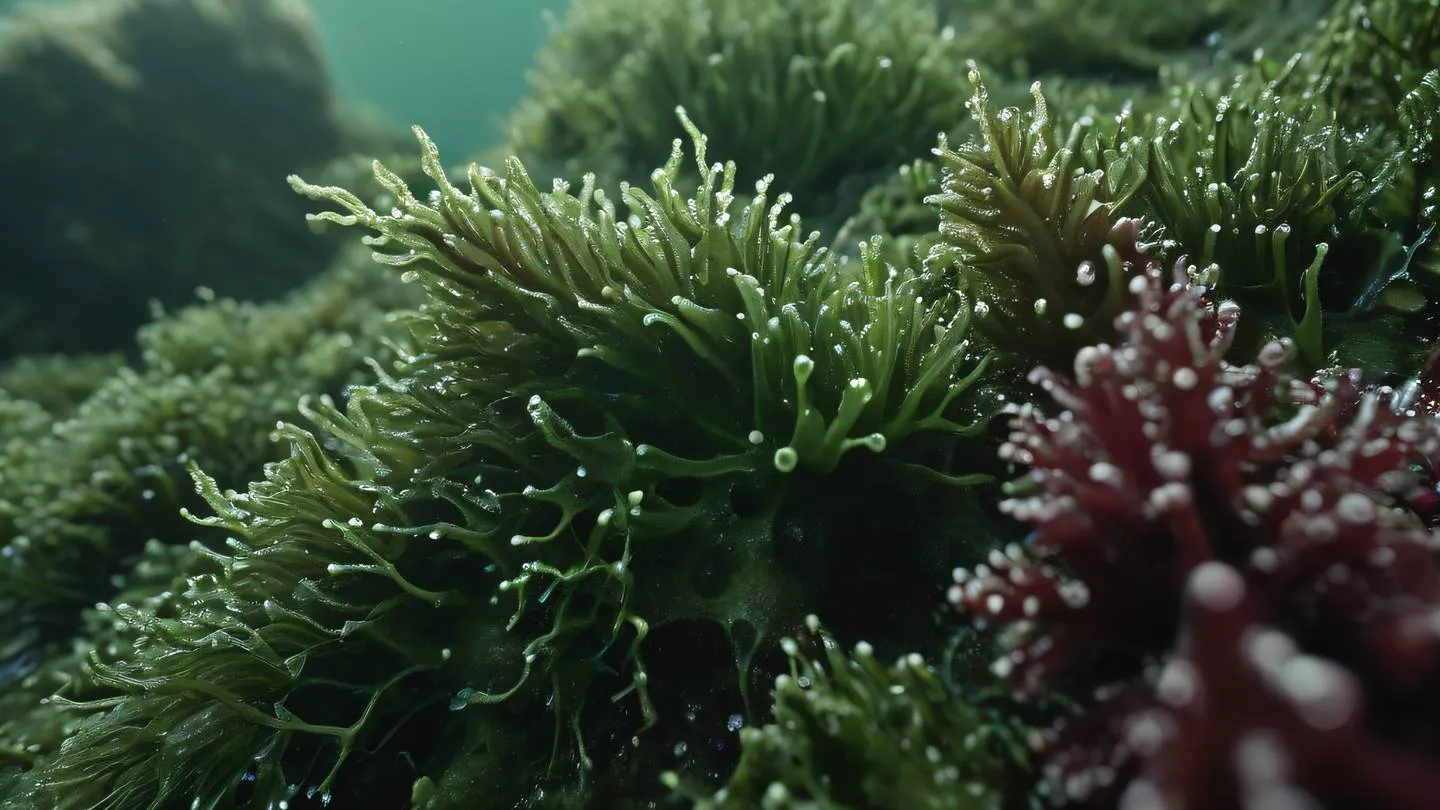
<point>605,433</point>
<point>32,722</point>
<point>1366,56</point>
<point>850,731</point>
<point>1122,41</point>
<point>1252,188</point>
<point>895,209</point>
<point>58,383</point>
<point>1374,64</point>
<point>828,96</point>
<point>898,206</point>
<point>1257,184</point>
<point>1316,219</point>
<point>91,482</point>
<point>1028,235</point>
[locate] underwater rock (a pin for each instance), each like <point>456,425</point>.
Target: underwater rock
<point>150,139</point>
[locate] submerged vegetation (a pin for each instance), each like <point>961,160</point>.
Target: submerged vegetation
<point>826,96</point>
<point>1099,431</point>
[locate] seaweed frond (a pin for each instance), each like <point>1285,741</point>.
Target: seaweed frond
<point>600,428</point>
<point>826,95</point>
<point>1253,189</point>
<point>1028,233</point>
<point>852,731</point>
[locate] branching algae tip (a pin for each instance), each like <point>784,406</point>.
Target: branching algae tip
<point>602,433</point>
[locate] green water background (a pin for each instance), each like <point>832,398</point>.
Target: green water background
<point>455,67</point>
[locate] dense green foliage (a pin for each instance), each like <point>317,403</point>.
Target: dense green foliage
<point>1027,231</point>
<point>537,472</point>
<point>1267,184</point>
<point>86,487</point>
<point>1124,40</point>
<point>850,731</point>
<point>827,96</point>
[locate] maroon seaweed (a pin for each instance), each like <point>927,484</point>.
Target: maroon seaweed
<point>1302,666</point>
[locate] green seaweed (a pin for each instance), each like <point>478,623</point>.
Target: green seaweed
<point>85,489</point>
<point>1027,232</point>
<point>1124,40</point>
<point>1263,189</point>
<point>852,731</point>
<point>827,96</point>
<point>599,428</point>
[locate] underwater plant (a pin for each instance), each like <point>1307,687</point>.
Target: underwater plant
<point>58,383</point>
<point>1227,569</point>
<point>895,209</point>
<point>86,486</point>
<point>1029,236</point>
<point>851,731</point>
<point>1123,40</point>
<point>828,96</point>
<point>602,431</point>
<point>1366,56</point>
<point>1253,188</point>
<point>1254,182</point>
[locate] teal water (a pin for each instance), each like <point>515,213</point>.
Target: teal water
<point>455,67</point>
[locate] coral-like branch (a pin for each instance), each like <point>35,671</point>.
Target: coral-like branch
<point>1166,465</point>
